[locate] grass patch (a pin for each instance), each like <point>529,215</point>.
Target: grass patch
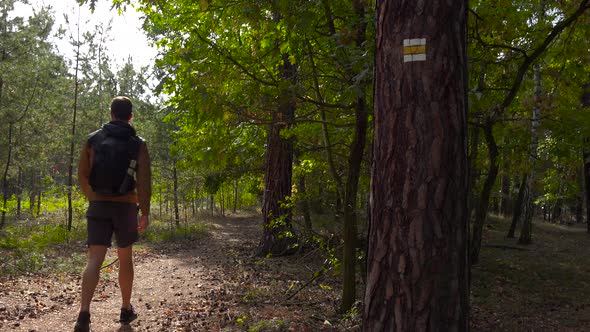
<point>39,246</point>
<point>163,232</point>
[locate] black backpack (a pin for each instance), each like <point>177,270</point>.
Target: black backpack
<point>114,163</point>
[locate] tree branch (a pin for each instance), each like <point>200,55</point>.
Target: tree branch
<point>528,61</point>
<point>228,56</point>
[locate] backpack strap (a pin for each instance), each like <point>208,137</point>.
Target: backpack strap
<point>132,168</point>
<point>96,137</point>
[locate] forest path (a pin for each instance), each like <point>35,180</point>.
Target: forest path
<point>211,284</point>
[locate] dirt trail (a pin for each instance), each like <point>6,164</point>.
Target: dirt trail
<point>211,284</point>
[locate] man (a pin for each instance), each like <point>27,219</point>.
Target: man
<point>108,161</point>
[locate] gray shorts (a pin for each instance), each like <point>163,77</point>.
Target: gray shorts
<point>106,218</point>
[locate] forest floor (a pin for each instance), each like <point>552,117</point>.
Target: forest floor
<point>544,286</point>
<point>211,284</point>
<point>214,283</point>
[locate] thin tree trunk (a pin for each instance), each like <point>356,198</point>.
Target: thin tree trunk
<point>212,204</point>
<point>587,185</point>
<point>236,188</point>
<point>325,132</point>
<point>222,201</point>
<point>350,218</point>
<point>160,203</point>
<point>305,205</point>
<point>73,132</point>
<point>481,213</point>
<point>5,175</point>
<point>473,152</point>
<point>579,198</point>
<point>417,261</point>
<point>526,213</point>
<point>528,209</point>
<point>506,204</point>
<point>355,159</point>
<point>193,203</point>
<point>18,192</point>
<point>175,180</point>
<point>32,193</point>
<point>39,203</point>
<point>517,208</point>
<point>585,102</point>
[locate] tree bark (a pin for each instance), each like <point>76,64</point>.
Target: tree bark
<point>417,259</point>
<point>277,238</point>
<point>481,213</point>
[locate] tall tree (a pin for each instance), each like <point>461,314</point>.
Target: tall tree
<point>28,68</point>
<point>417,254</point>
<point>528,206</point>
<point>355,158</point>
<point>76,44</point>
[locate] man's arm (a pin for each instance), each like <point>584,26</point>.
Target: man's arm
<point>144,180</point>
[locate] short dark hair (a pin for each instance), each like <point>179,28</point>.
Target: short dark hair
<point>122,108</point>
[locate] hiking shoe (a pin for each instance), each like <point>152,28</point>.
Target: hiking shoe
<point>127,315</point>
<point>83,322</point>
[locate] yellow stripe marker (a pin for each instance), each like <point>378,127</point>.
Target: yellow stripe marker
<point>415,49</point>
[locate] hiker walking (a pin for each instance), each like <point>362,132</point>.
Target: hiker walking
<point>114,174</point>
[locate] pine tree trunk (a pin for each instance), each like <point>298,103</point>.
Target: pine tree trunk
<point>417,245</point>
<point>277,238</point>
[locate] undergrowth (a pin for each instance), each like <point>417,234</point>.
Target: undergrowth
<point>32,247</point>
<point>160,232</point>
<point>40,245</point>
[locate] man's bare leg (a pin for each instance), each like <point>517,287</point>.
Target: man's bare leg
<point>125,275</point>
<point>91,274</point>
